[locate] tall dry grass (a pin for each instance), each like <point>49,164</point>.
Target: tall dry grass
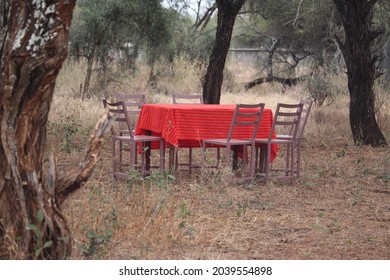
<point>174,216</point>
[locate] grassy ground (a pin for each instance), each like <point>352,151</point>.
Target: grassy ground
<point>338,209</point>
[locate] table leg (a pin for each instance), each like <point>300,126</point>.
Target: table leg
<point>172,158</point>
<point>148,146</point>
<point>263,152</point>
<point>235,157</point>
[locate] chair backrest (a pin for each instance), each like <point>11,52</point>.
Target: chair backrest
<point>287,117</point>
<point>133,102</point>
<point>120,115</point>
<point>245,115</point>
<point>307,103</point>
<point>187,99</point>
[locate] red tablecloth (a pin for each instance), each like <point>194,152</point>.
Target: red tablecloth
<point>186,125</point>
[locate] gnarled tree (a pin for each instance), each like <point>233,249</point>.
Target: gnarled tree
<point>361,62</point>
<point>35,46</point>
<point>212,84</point>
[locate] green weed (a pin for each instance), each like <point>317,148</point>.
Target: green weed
<point>184,212</point>
<point>98,236</point>
<point>40,245</point>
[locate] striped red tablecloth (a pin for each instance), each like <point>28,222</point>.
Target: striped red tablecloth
<point>186,125</point>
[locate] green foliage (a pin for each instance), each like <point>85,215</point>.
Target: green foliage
<point>106,29</point>
<point>98,236</point>
<point>127,31</point>
<point>296,23</point>
<point>320,90</point>
<point>160,179</point>
<point>66,127</point>
<point>323,88</point>
<point>184,212</point>
<point>70,129</point>
<point>36,228</point>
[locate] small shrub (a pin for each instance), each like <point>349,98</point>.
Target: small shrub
<point>36,228</point>
<point>320,90</point>
<point>184,212</point>
<point>99,235</point>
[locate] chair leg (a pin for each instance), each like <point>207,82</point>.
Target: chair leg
<point>299,158</point>
<point>190,161</point>
<point>135,158</point>
<point>133,155</point>
<point>162,155</point>
<point>120,155</point>
<point>218,156</point>
<point>177,164</point>
<point>143,164</point>
<point>253,163</point>
<point>263,158</point>
<point>287,159</point>
<point>268,163</point>
<point>176,159</point>
<point>204,153</point>
<point>227,155</point>
<point>244,159</point>
<point>113,158</point>
<point>256,154</point>
<point>292,161</point>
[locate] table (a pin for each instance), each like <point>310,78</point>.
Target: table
<point>186,125</point>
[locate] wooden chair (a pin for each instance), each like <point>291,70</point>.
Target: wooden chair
<point>242,117</point>
<point>287,118</point>
<point>134,104</point>
<point>307,104</point>
<point>186,99</point>
<point>120,115</point>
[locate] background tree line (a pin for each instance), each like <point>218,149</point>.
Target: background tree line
<point>104,31</point>
<point>127,30</point>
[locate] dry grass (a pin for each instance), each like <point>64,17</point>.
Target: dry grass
<point>338,209</point>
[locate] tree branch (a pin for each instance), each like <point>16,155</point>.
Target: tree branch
<point>206,17</point>
<point>339,43</point>
<point>285,81</point>
<point>371,3</point>
<point>76,178</point>
<point>298,12</point>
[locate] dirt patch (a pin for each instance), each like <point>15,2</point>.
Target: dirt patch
<point>338,209</point>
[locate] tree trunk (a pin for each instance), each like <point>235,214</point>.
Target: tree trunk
<point>87,80</point>
<point>270,66</point>
<point>31,223</point>
<point>212,84</point>
<point>356,17</point>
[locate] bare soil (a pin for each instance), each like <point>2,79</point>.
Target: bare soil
<point>338,209</point>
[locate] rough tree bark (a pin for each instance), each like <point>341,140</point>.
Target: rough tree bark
<point>356,16</point>
<point>212,84</point>
<point>90,58</point>
<point>31,223</point>
<point>204,20</point>
<point>270,65</point>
